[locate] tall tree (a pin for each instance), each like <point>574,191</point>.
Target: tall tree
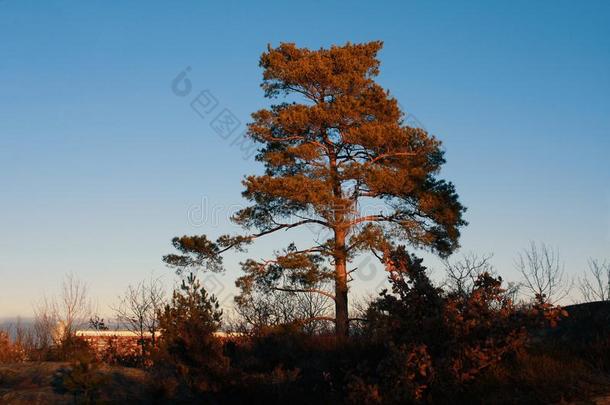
<point>337,145</point>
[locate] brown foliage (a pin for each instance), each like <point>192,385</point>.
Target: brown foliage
<point>342,139</point>
<point>11,352</point>
<point>438,340</point>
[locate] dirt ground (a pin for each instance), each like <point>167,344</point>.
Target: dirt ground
<point>39,383</point>
<point>34,383</point>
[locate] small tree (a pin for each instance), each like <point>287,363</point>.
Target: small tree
<point>72,308</point>
<point>139,311</point>
<point>57,318</point>
<point>314,312</point>
<point>311,312</point>
<point>595,284</point>
<point>157,299</point>
<point>97,323</point>
<point>462,274</point>
<point>132,311</point>
<point>45,322</point>
<point>187,344</point>
<point>544,277</point>
<point>260,310</point>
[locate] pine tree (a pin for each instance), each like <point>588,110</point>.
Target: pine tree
<point>337,145</point>
<point>187,342</point>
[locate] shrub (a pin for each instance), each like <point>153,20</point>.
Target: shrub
<point>10,352</point>
<point>70,348</point>
<point>437,341</point>
<point>124,355</point>
<point>82,379</point>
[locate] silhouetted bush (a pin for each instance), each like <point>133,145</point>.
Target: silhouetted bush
<point>436,342</point>
<point>11,352</point>
<point>70,348</point>
<point>124,355</point>
<point>82,379</point>
<point>418,343</point>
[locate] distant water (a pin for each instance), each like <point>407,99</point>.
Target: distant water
<point>9,324</point>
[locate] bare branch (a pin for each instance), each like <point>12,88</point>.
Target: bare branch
<point>595,284</point>
<point>462,274</point>
<point>543,273</point>
<point>306,290</point>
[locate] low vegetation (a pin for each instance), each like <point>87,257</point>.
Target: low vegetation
<point>416,343</point>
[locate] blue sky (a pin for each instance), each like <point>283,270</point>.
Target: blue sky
<point>101,163</point>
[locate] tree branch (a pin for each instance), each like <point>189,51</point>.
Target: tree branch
<point>306,290</point>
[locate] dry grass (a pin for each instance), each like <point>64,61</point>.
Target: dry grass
<point>36,383</point>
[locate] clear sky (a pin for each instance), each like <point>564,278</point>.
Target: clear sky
<point>101,163</point>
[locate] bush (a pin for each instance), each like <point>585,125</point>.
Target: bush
<point>124,355</point>
<point>70,348</point>
<point>82,379</point>
<point>10,352</point>
<point>435,341</point>
<point>539,374</point>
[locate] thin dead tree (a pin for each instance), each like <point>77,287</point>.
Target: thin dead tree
<point>543,272</point>
<point>261,309</point>
<point>57,318</point>
<point>157,299</point>
<point>266,309</point>
<point>314,311</point>
<point>462,273</point>
<point>359,311</point>
<point>44,325</point>
<point>512,291</point>
<point>595,284</point>
<point>132,311</point>
<point>139,308</point>
<point>72,308</point>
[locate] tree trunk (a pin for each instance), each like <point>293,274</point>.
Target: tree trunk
<point>340,255</point>
<point>341,311</point>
